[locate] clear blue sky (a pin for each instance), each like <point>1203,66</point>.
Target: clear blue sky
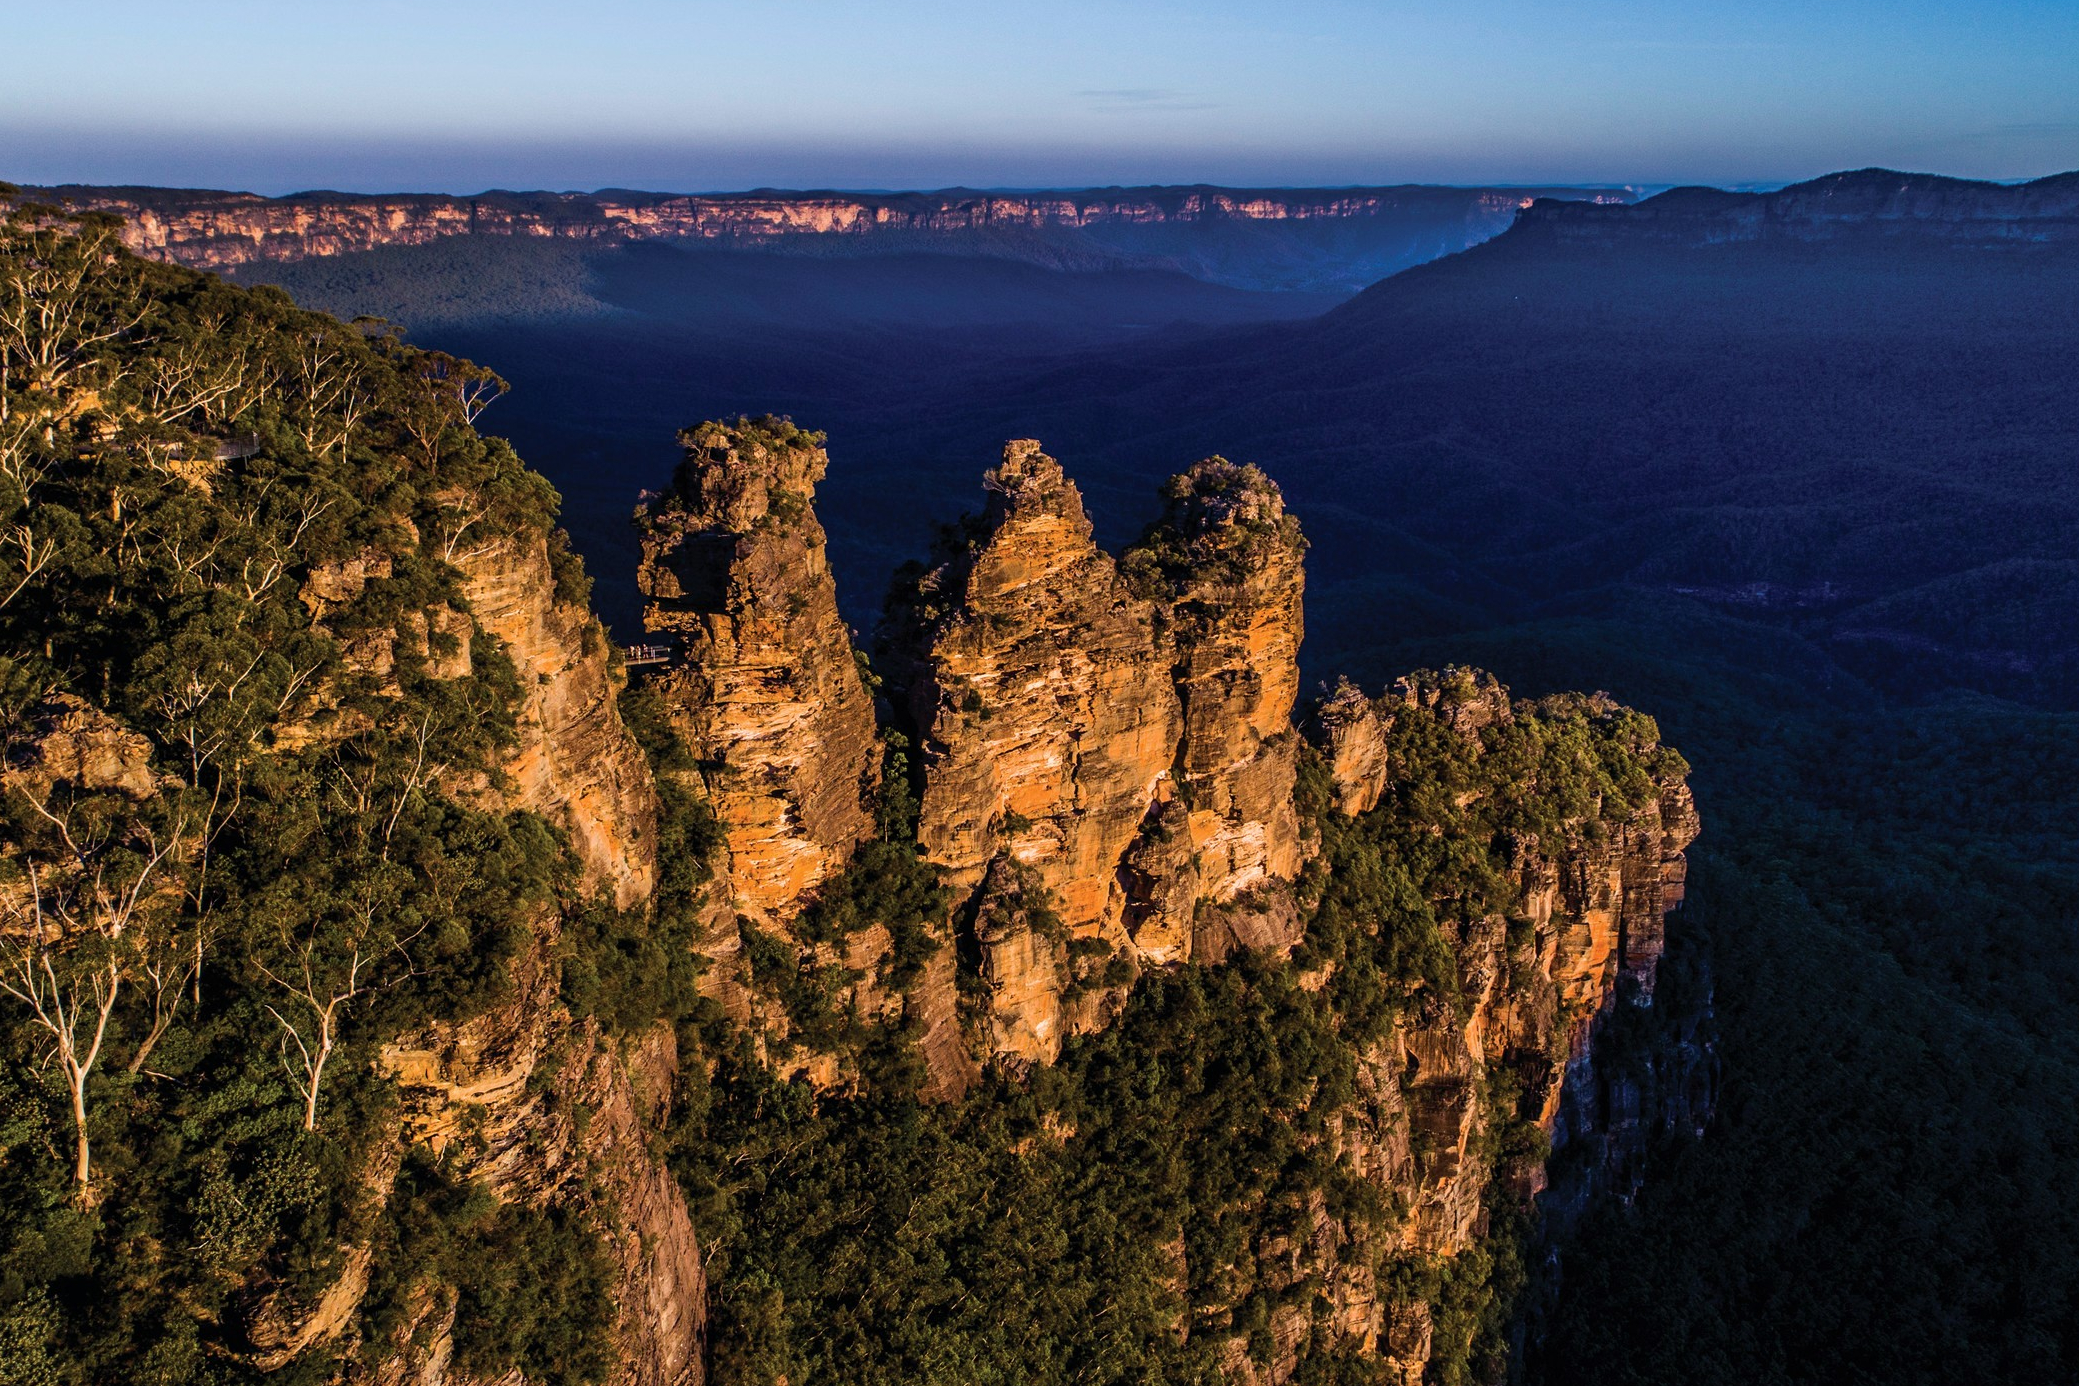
<point>381,95</point>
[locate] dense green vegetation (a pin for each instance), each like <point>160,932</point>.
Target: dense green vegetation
<point>1026,1234</point>
<point>1904,983</point>
<point>1886,894</point>
<point>530,1289</point>
<point>1060,1226</point>
<point>265,865</point>
<point>482,281</point>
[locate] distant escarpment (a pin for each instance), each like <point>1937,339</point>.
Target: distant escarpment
<point>399,984</point>
<point>1869,203</point>
<point>1210,232</point>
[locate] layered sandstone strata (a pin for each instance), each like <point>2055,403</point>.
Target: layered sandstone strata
<point>764,687</point>
<point>1351,731</point>
<point>1040,685</point>
<point>1225,560</point>
<point>1121,731</point>
<point>220,230</point>
<point>1590,898</point>
<point>574,762</point>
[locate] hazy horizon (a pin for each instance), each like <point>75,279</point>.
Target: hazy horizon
<point>1640,188</point>
<point>889,190</point>
<point>56,162</point>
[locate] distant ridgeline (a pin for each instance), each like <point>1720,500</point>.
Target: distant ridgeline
<point>1358,235</point>
<point>1837,409</point>
<point>1864,203</point>
<point>393,990</point>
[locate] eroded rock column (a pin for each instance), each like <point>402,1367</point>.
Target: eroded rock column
<point>1040,687</point>
<point>1226,562</point>
<point>764,686</point>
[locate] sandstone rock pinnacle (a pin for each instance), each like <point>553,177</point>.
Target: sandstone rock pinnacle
<point>1041,689</point>
<point>1225,560</point>
<point>768,690</point>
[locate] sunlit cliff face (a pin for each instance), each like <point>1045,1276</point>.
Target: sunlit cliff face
<point>224,230</point>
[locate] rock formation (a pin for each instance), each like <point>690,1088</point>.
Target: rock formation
<point>64,739</point>
<point>1045,710</point>
<point>1225,560</point>
<point>1108,783</point>
<point>575,763</point>
<point>766,689</point>
<point>1109,770</point>
<point>542,1112</point>
<point>1121,731</point>
<point>1023,962</point>
<point>1067,798</point>
<point>1351,731</point>
<point>1534,987</point>
<point>1040,688</point>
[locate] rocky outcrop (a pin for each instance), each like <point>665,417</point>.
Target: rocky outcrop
<point>1109,784</point>
<point>1123,735</point>
<point>326,782</point>
<point>557,1113</point>
<point>1123,732</point>
<point>764,687</point>
<point>1040,687</point>
<point>574,762</point>
<point>66,740</point>
<point>1351,731</point>
<point>766,694</point>
<point>1596,901</point>
<point>1656,877</point>
<point>1023,963</point>
<point>1225,561</point>
<point>1533,987</point>
<point>543,1114</point>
